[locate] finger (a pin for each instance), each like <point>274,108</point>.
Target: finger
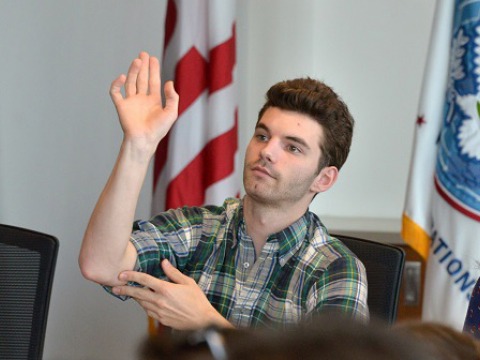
<point>157,312</point>
<point>154,77</point>
<point>131,82</point>
<point>138,293</point>
<point>116,89</point>
<point>154,309</point>
<point>171,98</point>
<point>149,306</point>
<point>174,274</point>
<point>142,279</point>
<point>142,78</point>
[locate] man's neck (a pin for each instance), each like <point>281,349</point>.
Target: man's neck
<point>263,220</point>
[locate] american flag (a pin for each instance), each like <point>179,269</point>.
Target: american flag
<point>195,163</point>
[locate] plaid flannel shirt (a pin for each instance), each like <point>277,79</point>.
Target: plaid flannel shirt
<point>300,271</point>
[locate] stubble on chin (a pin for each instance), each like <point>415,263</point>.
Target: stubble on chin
<point>258,189</point>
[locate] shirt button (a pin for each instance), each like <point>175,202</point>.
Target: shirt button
<point>246,265</point>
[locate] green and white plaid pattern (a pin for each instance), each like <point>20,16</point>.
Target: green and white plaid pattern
<point>300,271</point>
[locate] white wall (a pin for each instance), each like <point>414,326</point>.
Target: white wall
<point>372,53</point>
<point>59,135</point>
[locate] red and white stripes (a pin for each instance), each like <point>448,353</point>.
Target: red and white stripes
<point>195,164</point>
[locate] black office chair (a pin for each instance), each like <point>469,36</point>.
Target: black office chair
<point>27,266</point>
<point>384,264</point>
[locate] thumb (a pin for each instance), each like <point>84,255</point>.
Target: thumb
<point>171,98</point>
<point>115,89</point>
<point>173,273</point>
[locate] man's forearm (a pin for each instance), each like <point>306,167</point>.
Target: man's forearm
<point>106,249</point>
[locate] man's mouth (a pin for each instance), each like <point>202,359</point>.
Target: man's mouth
<point>262,170</point>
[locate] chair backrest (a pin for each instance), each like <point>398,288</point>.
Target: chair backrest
<point>27,266</point>
<point>384,264</point>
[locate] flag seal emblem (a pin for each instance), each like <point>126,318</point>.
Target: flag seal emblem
<point>457,175</point>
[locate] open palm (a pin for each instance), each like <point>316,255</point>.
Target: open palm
<point>142,115</point>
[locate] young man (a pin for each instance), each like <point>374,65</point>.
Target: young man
<point>264,260</point>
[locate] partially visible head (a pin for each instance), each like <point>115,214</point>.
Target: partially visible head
<point>318,101</point>
<point>447,342</point>
<point>329,336</point>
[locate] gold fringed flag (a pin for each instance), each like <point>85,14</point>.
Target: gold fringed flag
<point>441,219</point>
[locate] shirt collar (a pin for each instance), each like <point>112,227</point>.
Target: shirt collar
<point>289,239</point>
<point>235,218</point>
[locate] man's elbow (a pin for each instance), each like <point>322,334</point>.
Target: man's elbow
<point>104,269</point>
<point>92,272</point>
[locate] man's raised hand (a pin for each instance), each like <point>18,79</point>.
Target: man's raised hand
<point>143,117</point>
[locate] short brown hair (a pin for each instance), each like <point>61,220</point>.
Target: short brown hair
<point>317,100</point>
<point>446,341</point>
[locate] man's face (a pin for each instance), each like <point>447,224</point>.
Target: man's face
<point>281,160</point>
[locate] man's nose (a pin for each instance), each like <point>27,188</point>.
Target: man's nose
<point>270,151</point>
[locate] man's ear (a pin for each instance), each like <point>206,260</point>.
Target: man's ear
<point>325,179</point>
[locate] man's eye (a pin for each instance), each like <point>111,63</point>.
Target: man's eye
<point>293,149</point>
<point>262,137</point>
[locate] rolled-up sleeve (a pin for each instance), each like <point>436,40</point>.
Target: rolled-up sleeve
<point>342,288</point>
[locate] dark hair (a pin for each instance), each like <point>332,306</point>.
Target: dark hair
<point>448,342</point>
<point>317,100</point>
<point>327,337</point>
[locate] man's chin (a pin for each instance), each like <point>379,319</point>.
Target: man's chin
<point>260,195</point>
